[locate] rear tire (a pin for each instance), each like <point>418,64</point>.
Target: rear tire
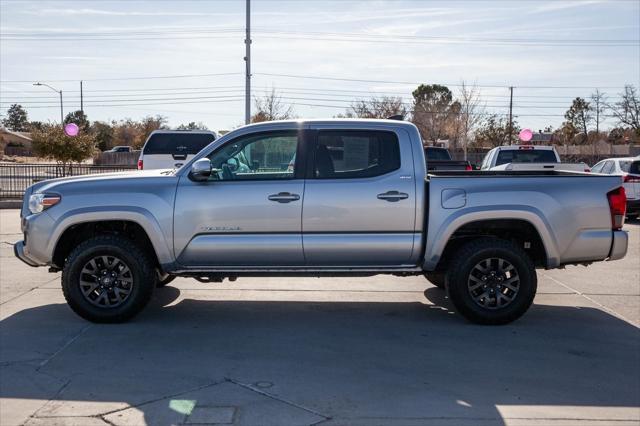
<point>436,278</point>
<point>491,281</point>
<point>108,279</point>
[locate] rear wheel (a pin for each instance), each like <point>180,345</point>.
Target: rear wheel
<point>108,279</point>
<point>491,281</point>
<point>435,278</point>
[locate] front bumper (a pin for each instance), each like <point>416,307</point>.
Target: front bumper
<point>633,207</point>
<point>18,250</point>
<point>619,245</point>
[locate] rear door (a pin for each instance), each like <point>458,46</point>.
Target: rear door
<point>172,150</point>
<point>360,195</point>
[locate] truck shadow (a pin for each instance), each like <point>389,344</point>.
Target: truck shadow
<point>350,362</point>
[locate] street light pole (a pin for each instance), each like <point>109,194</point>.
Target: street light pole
<point>60,93</point>
<point>247,59</point>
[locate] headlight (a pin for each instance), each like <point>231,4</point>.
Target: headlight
<point>40,202</point>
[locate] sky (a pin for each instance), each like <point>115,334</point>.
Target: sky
<point>184,59</point>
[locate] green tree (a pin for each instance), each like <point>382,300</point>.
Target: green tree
<point>17,119</point>
<point>80,118</point>
<point>103,135</point>
<point>494,131</point>
<point>192,125</point>
<point>51,142</point>
<point>432,110</point>
<point>578,117</point>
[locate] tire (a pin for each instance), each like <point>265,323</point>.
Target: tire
<point>491,281</point>
<point>435,278</point>
<point>108,279</point>
<point>161,283</point>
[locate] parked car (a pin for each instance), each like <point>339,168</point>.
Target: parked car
<point>358,201</point>
<point>168,149</point>
<point>439,159</point>
<point>528,158</point>
<point>629,169</point>
<point>120,149</point>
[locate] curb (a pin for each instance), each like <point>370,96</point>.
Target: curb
<point>10,204</point>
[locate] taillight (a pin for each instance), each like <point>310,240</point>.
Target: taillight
<point>618,207</point>
<point>631,179</point>
<point>139,164</point>
<point>468,167</point>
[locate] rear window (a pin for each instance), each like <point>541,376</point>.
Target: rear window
<point>526,156</point>
<point>436,154</point>
<point>632,167</point>
<point>177,143</point>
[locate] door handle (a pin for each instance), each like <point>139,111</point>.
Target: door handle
<point>393,196</point>
<point>284,197</point>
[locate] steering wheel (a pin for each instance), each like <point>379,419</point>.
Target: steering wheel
<point>233,164</point>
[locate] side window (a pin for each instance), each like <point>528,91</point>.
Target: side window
<point>598,167</point>
<point>345,154</point>
<point>263,156</point>
<point>608,167</point>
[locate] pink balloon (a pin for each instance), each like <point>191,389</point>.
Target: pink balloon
<point>71,129</point>
<point>525,135</point>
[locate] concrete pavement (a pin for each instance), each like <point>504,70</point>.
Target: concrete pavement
<point>303,351</point>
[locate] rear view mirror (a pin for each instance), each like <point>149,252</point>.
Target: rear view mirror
<point>200,170</point>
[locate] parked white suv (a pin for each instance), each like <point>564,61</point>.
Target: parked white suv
<point>168,149</point>
<point>528,158</point>
<point>629,169</point>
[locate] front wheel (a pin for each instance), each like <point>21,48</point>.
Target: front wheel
<point>108,279</point>
<point>491,281</point>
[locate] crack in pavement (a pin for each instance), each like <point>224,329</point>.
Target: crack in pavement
<point>284,401</point>
<point>30,290</point>
<point>586,296</point>
<point>64,346</point>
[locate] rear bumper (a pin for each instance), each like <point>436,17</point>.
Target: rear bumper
<point>18,251</point>
<point>633,207</point>
<point>619,246</point>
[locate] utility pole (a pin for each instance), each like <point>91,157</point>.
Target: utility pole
<point>81,104</point>
<point>510,113</point>
<point>247,59</point>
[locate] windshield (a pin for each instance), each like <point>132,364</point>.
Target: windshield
<point>526,156</point>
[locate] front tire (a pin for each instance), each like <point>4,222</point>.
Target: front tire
<point>491,281</point>
<point>108,279</point>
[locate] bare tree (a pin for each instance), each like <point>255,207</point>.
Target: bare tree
<point>599,105</point>
<point>627,111</point>
<point>471,112</point>
<point>270,108</point>
<point>383,107</point>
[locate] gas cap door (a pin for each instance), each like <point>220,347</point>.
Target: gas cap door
<point>453,198</point>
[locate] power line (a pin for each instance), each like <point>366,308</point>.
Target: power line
<point>129,78</point>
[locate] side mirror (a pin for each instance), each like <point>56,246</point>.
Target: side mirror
<point>200,170</point>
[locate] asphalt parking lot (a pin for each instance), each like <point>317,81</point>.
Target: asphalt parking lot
<point>306,351</point>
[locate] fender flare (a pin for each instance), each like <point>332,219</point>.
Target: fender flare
<point>137,215</point>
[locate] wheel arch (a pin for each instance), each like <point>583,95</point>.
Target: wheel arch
<point>75,226</point>
<point>518,226</point>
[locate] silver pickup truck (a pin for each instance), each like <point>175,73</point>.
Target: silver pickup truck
<point>318,198</point>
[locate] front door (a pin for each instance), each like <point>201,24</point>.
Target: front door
<point>249,212</point>
<point>360,200</point>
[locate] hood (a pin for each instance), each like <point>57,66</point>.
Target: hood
<point>51,184</point>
